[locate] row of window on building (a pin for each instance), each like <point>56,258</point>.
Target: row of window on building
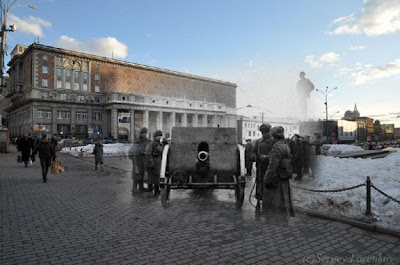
<point>67,115</point>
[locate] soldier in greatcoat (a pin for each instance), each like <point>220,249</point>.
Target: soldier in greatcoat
<point>137,155</point>
<point>153,154</point>
<point>260,152</point>
<point>248,157</point>
<point>277,193</point>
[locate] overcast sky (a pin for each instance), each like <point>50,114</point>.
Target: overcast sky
<point>259,45</point>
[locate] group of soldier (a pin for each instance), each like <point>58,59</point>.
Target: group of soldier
<point>146,159</point>
<point>269,154</point>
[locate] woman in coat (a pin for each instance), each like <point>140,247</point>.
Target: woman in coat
<point>98,155</point>
<point>25,145</point>
<point>137,155</point>
<point>46,152</point>
<point>153,154</point>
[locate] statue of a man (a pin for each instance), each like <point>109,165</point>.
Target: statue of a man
<point>304,88</point>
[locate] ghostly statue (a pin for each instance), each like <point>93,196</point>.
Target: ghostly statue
<point>304,88</point>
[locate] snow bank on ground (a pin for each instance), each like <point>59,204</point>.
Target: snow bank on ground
<point>87,150</point>
<point>342,148</point>
<point>335,173</point>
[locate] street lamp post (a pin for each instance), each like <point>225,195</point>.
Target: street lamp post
<point>6,7</point>
<point>326,93</point>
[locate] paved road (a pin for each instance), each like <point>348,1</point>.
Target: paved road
<point>88,217</point>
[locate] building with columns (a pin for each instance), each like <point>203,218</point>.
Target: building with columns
<point>69,93</point>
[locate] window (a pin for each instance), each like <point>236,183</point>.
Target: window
<point>68,85</point>
<point>67,114</point>
<point>59,115</point>
<point>97,77</point>
<point>97,66</point>
<point>100,116</point>
<point>78,116</point>
<point>97,89</point>
<point>84,116</point>
<point>44,56</point>
<point>76,86</point>
<point>249,133</point>
<point>40,114</point>
<point>86,65</point>
<point>59,72</point>
<point>68,73</point>
<point>85,76</point>
<point>59,84</point>
<point>45,70</point>
<point>85,87</point>
<point>80,98</point>
<point>48,115</point>
<point>59,60</point>
<point>44,82</point>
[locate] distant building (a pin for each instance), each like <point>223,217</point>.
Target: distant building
<point>351,115</point>
<point>347,131</point>
<point>249,128</point>
<point>69,93</point>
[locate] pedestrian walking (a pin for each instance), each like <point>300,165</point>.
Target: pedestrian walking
<point>248,158</point>
<point>153,154</point>
<point>278,194</point>
<point>260,152</point>
<point>98,155</point>
<point>137,156</point>
<point>25,146</point>
<point>46,154</point>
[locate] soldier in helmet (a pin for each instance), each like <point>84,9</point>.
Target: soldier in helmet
<point>260,152</point>
<point>153,155</point>
<point>136,154</point>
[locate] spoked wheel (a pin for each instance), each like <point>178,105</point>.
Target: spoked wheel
<point>239,195</point>
<point>165,192</point>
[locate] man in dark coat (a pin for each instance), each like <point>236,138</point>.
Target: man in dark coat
<point>297,150</point>
<point>98,155</point>
<point>277,193</point>
<point>137,155</point>
<point>25,145</point>
<point>153,154</point>
<point>248,157</point>
<point>46,153</point>
<point>260,152</point>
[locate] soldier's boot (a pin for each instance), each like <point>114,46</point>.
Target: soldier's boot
<point>134,187</point>
<point>141,188</point>
<point>156,190</point>
<point>149,188</point>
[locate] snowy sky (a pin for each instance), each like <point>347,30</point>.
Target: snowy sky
<point>259,45</point>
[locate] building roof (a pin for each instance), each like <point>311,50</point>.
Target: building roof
<point>118,62</point>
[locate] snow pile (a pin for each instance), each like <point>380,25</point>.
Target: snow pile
<point>342,148</point>
<point>333,173</point>
<point>87,150</point>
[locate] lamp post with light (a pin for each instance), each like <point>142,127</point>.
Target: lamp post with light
<point>6,7</point>
<point>326,93</point>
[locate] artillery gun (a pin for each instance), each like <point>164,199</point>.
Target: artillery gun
<point>203,158</point>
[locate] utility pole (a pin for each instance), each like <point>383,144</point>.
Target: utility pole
<point>5,7</point>
<point>326,93</point>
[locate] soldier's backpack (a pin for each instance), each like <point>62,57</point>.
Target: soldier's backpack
<point>285,169</point>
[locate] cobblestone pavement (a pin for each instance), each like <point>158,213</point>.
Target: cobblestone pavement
<point>86,217</point>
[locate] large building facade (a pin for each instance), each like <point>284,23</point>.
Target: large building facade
<point>69,93</point>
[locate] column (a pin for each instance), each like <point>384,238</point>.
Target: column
<point>89,119</point>
<point>173,121</point>
<point>160,121</point>
<point>54,120</point>
<point>184,119</point>
<point>73,120</point>
<point>114,123</point>
<point>131,136</point>
<point>205,124</point>
<point>195,120</point>
<point>146,119</point>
